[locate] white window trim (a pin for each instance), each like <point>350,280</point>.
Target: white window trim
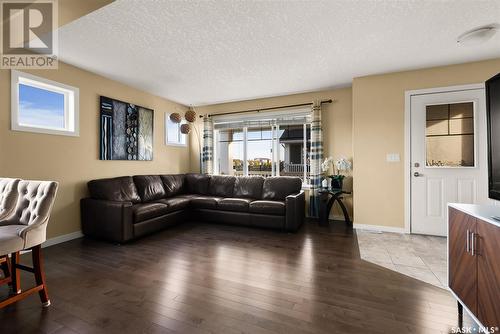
<point>245,151</point>
<point>71,104</point>
<point>306,186</point>
<point>178,144</point>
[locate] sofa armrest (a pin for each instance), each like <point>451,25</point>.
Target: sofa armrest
<point>108,220</point>
<point>295,211</point>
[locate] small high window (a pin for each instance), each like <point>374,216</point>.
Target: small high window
<point>173,135</point>
<point>43,106</point>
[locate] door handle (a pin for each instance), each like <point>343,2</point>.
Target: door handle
<point>417,174</point>
<point>472,237</point>
<point>474,247</point>
<point>467,242</point>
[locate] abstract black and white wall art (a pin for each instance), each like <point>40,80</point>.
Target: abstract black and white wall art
<point>126,131</point>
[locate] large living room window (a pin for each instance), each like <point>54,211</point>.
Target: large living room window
<point>266,145</point>
<point>43,106</point>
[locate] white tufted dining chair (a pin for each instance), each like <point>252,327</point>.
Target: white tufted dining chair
<point>25,229</point>
<point>8,196</point>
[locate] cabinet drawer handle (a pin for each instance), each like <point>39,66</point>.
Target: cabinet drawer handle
<point>472,243</point>
<point>467,242</point>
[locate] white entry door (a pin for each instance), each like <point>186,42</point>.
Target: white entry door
<point>448,155</point>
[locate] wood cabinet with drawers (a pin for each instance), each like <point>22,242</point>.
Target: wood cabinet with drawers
<point>474,260</point>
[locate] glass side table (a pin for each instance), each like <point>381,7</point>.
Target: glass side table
<point>328,197</point>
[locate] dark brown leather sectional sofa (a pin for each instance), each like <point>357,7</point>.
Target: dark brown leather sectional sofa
<point>124,208</point>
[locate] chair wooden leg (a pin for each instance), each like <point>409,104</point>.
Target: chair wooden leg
<point>40,274</point>
<point>16,277</point>
<point>5,267</point>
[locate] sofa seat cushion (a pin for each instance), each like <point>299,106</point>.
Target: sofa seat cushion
<point>149,187</point>
<point>205,202</point>
<point>175,203</point>
<point>10,241</point>
<point>189,196</point>
<point>234,204</point>
<point>267,207</point>
<point>147,211</point>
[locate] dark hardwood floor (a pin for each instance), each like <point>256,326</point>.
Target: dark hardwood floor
<point>203,278</point>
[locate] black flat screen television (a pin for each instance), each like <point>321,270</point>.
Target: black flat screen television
<point>493,117</point>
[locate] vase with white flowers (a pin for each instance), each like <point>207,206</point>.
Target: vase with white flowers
<point>340,166</point>
<point>325,168</point>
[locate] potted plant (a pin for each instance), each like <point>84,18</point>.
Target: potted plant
<point>337,180</point>
<point>325,168</point>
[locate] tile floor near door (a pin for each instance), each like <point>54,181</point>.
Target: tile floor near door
<point>419,256</point>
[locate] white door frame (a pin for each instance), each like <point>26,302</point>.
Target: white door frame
<point>407,142</point>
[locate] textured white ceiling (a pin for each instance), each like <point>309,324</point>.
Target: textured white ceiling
<point>204,52</point>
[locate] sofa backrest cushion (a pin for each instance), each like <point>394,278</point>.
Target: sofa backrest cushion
<point>149,187</point>
<point>197,183</point>
<point>279,187</point>
<point>248,187</point>
<point>120,189</point>
<point>221,185</point>
<point>173,184</point>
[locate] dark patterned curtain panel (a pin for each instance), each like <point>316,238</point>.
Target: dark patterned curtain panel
<point>207,155</point>
<point>316,157</point>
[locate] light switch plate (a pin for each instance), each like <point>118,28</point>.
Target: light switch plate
<point>393,157</point>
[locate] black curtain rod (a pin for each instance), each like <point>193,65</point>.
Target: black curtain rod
<point>270,108</point>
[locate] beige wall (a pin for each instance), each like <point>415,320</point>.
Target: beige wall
<point>336,117</point>
<point>74,160</point>
<point>378,129</point>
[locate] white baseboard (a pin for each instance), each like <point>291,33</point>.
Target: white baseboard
<point>331,217</point>
<point>62,238</point>
<point>379,228</point>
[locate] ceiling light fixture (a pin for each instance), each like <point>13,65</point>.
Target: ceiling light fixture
<point>477,35</point>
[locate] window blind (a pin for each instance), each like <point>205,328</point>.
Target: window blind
<point>292,116</point>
